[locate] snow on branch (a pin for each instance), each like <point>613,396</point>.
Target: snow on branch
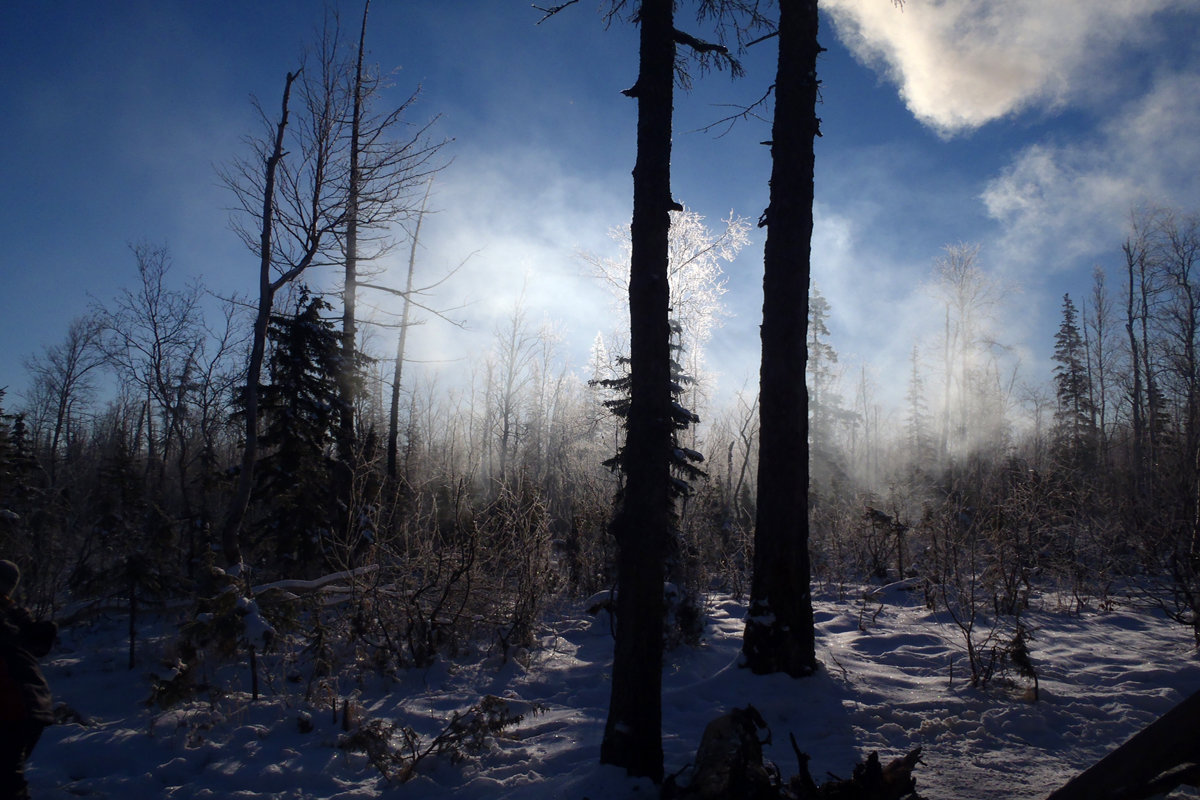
<point>296,585</point>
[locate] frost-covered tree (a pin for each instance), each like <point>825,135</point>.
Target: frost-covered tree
<point>510,369</point>
<point>970,296</point>
<point>918,436</point>
<point>696,255</point>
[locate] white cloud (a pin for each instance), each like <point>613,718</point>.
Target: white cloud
<point>962,63</point>
<point>1065,201</point>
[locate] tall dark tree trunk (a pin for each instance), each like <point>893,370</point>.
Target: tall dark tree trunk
<point>642,525</point>
<point>779,630</point>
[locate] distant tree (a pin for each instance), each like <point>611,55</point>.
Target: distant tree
<point>1099,336</point>
<point>826,410</point>
<point>63,384</point>
<point>918,436</point>
<point>18,483</point>
<point>970,295</point>
<point>1175,254</point>
<point>1136,313</point>
<point>156,339</point>
<point>1074,422</point>
<point>510,374</point>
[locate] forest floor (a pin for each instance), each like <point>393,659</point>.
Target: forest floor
<point>894,678</point>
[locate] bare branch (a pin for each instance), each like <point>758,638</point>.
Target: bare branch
<point>746,113</point>
<point>552,10</point>
<point>760,39</point>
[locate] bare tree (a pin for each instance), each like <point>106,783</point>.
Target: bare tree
<point>970,296</point>
<point>155,338</point>
<point>510,372</point>
<point>1098,336</point>
<point>63,383</point>
<point>388,158</point>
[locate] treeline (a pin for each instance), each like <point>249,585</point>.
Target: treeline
<point>119,465</point>
<point>1085,484</point>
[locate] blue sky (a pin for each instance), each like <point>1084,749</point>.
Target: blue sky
<point>1028,127</point>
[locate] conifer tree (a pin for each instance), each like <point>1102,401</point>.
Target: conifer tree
<point>302,409</point>
<point>1074,417</point>
<point>919,440</point>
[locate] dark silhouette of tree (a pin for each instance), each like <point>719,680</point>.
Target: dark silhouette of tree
<point>1074,417</point>
<point>645,514</point>
<point>643,521</point>
<point>302,408</point>
<point>64,383</point>
<point>1098,338</point>
<point>779,634</point>
<point>826,410</point>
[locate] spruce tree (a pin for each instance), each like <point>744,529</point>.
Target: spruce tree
<point>1074,415</point>
<point>917,434</point>
<point>302,408</point>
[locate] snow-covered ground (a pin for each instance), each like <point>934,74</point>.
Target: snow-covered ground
<point>886,686</point>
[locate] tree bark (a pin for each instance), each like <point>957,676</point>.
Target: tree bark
<point>779,633</point>
<point>643,520</point>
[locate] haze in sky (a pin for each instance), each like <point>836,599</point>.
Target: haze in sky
<point>1030,128</point>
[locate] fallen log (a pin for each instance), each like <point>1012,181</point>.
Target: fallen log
<point>729,764</point>
<point>871,780</point>
<point>1162,757</point>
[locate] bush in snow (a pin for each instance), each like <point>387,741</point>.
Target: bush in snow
<point>396,750</point>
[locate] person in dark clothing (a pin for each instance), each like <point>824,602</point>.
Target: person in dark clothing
<point>25,705</point>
